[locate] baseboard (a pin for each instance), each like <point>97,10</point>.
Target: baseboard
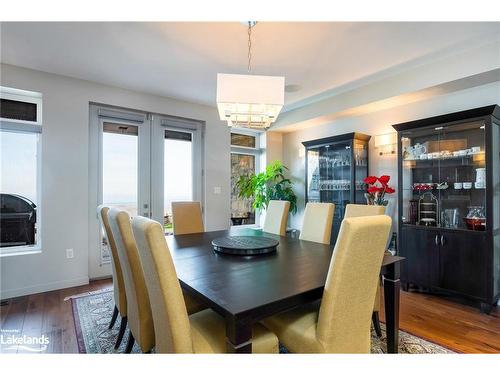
<point>4,294</point>
<point>106,277</point>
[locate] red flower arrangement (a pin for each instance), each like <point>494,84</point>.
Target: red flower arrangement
<point>376,192</point>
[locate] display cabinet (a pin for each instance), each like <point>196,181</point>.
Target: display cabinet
<point>335,169</point>
<point>449,202</point>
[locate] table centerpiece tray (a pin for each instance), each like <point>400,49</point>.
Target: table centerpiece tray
<point>245,245</point>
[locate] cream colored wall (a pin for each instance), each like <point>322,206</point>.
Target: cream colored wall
<point>274,146</point>
<point>379,123</point>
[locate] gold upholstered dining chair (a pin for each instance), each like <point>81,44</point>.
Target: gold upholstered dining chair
<point>140,320</point>
<point>317,224</point>
<point>356,210</point>
<point>175,331</point>
<point>187,218</point>
<point>341,322</point>
<point>276,217</point>
<point>120,296</point>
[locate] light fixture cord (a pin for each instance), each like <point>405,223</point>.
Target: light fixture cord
<point>249,46</point>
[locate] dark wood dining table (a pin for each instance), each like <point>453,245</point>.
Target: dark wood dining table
<point>247,289</point>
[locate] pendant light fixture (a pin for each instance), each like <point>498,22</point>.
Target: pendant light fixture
<point>247,100</point>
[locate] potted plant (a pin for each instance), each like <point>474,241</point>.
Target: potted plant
<point>269,185</point>
<point>377,189</point>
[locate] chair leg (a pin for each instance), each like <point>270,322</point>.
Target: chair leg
<point>113,318</point>
<point>376,324</point>
<point>130,343</point>
<point>121,332</point>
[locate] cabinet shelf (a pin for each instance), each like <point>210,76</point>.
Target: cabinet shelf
<point>445,229</point>
<point>465,157</point>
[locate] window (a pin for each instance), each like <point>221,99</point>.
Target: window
<point>242,140</point>
<point>20,177</point>
<point>244,161</point>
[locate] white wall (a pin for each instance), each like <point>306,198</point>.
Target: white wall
<point>65,172</point>
<point>379,123</point>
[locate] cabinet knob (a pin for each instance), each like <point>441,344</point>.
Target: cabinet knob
<point>436,240</point>
<point>442,240</point>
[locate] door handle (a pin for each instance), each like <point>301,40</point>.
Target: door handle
<point>436,240</point>
<point>442,240</point>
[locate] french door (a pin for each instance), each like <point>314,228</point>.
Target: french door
<point>140,163</point>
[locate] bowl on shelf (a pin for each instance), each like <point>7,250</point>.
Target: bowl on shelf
<point>476,218</point>
<point>475,223</point>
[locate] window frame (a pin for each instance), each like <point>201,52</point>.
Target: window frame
<point>257,152</point>
<point>23,96</point>
<point>27,127</point>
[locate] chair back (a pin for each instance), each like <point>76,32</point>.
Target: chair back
<point>171,322</point>
<point>276,217</point>
<point>140,319</point>
<point>186,217</point>
<point>355,210</point>
<point>344,319</point>
<point>118,283</point>
<point>317,225</point>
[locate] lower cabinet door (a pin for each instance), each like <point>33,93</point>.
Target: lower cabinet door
<point>463,263</point>
<point>421,249</point>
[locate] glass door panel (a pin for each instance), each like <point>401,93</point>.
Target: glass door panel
<point>176,166</point>
<point>120,152</point>
<point>419,176</point>
<point>335,169</point>
<point>313,176</point>
<point>360,170</point>
<point>443,174</point>
<point>177,172</point>
<point>463,171</point>
<point>242,211</point>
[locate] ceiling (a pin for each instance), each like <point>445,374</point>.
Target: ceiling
<point>181,60</point>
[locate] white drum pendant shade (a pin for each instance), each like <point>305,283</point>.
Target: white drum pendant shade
<point>249,101</point>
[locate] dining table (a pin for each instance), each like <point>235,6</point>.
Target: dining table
<point>247,289</point>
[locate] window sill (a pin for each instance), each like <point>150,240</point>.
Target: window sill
<point>21,250</point>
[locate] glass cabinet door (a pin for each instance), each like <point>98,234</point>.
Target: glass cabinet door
<point>444,176</point>
<point>313,176</point>
<point>360,171</point>
<point>329,174</point>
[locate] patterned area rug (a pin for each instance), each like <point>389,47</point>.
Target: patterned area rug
<point>92,313</point>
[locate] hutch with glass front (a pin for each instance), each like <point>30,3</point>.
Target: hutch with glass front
<point>449,204</point>
<point>335,169</point>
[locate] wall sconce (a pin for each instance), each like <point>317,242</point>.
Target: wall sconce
<point>302,152</point>
<point>386,143</point>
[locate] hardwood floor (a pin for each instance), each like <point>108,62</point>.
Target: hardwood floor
<point>46,314</point>
<point>459,327</point>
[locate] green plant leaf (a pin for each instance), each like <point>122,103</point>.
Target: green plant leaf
<point>268,185</point>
